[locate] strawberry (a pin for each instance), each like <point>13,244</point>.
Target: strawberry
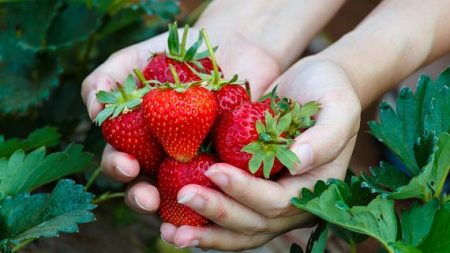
<point>183,60</point>
<point>256,136</point>
<point>229,97</point>
<point>180,116</point>
<point>123,125</point>
<point>172,176</point>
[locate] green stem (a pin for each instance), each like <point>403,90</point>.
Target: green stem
<point>183,41</point>
<point>139,76</point>
<point>276,142</point>
<point>353,248</point>
<point>212,55</point>
<point>107,196</point>
<point>174,74</point>
<point>122,91</point>
<point>92,178</point>
<point>23,244</point>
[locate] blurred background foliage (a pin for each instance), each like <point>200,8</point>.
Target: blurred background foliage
<point>47,48</point>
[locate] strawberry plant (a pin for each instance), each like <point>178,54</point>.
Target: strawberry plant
<point>26,165</point>
<point>417,131</point>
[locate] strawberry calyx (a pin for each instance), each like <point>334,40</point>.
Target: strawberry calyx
<point>177,50</point>
<point>277,134</point>
<point>177,85</point>
<point>122,100</point>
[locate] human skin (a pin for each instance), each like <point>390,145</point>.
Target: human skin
<point>394,40</point>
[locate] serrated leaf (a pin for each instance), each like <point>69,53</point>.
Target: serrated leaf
<point>23,173</point>
<point>430,181</point>
<point>416,222</point>
<point>63,31</point>
<point>45,215</point>
<point>377,219</point>
<point>383,178</point>
<point>437,239</point>
<point>46,136</point>
<point>318,240</point>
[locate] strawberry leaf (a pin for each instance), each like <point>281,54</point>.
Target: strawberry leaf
<point>60,211</point>
<point>333,203</point>
<point>416,222</point>
<point>192,51</point>
<point>437,239</point>
<point>284,123</point>
<point>46,136</point>
<point>25,172</point>
<point>287,158</point>
<point>318,240</point>
<point>173,42</point>
<point>384,178</point>
<point>256,161</point>
<point>268,161</point>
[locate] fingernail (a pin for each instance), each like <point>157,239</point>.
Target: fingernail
<point>192,200</point>
<point>217,176</point>
<point>305,154</point>
<point>162,239</point>
<point>193,243</point>
<point>90,102</point>
<point>139,203</point>
<point>122,171</point>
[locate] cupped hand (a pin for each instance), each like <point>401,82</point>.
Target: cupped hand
<point>235,55</point>
<point>252,211</point>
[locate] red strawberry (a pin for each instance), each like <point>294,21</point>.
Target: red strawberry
<point>255,136</point>
<point>229,97</point>
<point>180,117</point>
<point>123,125</point>
<point>172,176</point>
<point>183,60</point>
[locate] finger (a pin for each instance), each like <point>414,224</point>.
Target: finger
<point>214,237</point>
<point>143,198</point>
<point>118,165</point>
<point>222,210</point>
<point>265,197</point>
<point>337,122</point>
<point>168,231</point>
<point>115,69</point>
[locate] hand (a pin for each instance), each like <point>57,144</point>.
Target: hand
<point>252,211</point>
<point>242,57</point>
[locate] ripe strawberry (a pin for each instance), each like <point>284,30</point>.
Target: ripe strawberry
<point>180,116</point>
<point>172,176</point>
<point>256,136</point>
<point>183,60</point>
<point>229,97</point>
<point>123,125</point>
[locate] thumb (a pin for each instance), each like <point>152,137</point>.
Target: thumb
<point>337,123</point>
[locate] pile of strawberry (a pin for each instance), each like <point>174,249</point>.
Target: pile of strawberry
<point>182,117</point>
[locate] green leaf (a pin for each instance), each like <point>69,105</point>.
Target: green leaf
<point>430,181</point>
<point>106,97</point>
<point>318,240</point>
<point>104,114</point>
<point>401,247</point>
<point>129,85</point>
<point>46,136</point>
<point>165,9</point>
<point>192,51</point>
<point>270,123</point>
<point>252,147</point>
<point>26,84</point>
<point>23,173</point>
<point>45,215</point>
<point>64,31</point>
<point>260,127</point>
<point>416,222</point>
<point>384,178</point>
<point>256,161</point>
<point>377,219</point>
<point>437,240</point>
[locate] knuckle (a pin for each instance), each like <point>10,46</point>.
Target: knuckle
<point>276,212</point>
<point>257,228</point>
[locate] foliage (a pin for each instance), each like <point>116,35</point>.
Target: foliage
<point>418,132</point>
<point>25,216</point>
